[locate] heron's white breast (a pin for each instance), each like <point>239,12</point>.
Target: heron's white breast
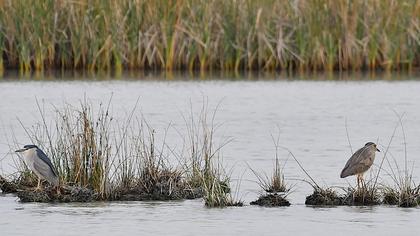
<point>29,157</point>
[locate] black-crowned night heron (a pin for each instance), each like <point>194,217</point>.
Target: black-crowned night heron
<point>360,162</point>
<point>40,164</point>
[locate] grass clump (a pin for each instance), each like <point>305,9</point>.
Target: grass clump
<point>67,194</point>
<point>404,192</point>
<point>98,158</point>
<point>22,179</point>
<point>271,200</point>
<point>274,187</point>
<point>204,166</point>
<point>364,196</point>
<point>408,196</point>
<point>217,193</point>
<point>79,145</point>
<point>148,175</point>
<point>7,186</point>
<point>324,197</point>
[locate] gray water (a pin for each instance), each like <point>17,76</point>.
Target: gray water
<point>308,116</point>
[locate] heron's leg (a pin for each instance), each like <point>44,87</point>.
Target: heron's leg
<point>363,182</point>
<point>57,188</point>
<point>38,187</point>
<point>358,182</point>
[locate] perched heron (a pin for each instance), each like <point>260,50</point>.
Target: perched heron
<point>360,162</point>
<point>40,164</point>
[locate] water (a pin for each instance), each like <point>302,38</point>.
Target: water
<point>309,116</point>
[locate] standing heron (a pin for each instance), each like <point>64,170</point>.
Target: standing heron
<point>360,162</point>
<point>40,164</point>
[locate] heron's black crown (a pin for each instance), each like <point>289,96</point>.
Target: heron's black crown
<point>369,143</point>
<point>30,146</point>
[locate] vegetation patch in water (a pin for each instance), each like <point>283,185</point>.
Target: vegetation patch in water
<point>324,197</point>
<point>390,197</point>
<point>60,194</point>
<point>7,186</point>
<point>271,200</point>
<point>274,187</point>
<point>165,185</point>
<point>364,196</point>
<point>408,196</point>
<point>98,159</point>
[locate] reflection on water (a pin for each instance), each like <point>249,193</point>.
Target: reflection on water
<point>310,116</point>
<point>62,75</point>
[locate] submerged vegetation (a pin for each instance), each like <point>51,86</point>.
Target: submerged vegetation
<point>204,35</point>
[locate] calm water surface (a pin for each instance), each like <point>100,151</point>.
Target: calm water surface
<point>309,116</point>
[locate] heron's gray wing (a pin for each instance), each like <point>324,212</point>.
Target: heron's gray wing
<point>357,162</point>
<point>43,169</point>
<point>46,160</point>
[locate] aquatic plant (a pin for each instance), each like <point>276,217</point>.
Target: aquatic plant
<point>216,187</point>
<point>407,196</point>
<point>273,184</point>
<point>274,187</point>
<point>205,35</point>
<point>404,192</point>
<point>203,166</point>
<point>363,196</point>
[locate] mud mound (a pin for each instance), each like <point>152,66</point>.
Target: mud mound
<point>64,194</point>
<point>7,186</point>
<point>324,197</point>
<point>271,200</point>
<point>362,197</point>
<point>158,193</point>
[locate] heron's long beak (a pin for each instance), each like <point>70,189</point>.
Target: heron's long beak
<point>378,150</point>
<point>21,150</point>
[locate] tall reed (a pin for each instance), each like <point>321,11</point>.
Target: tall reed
<point>205,35</point>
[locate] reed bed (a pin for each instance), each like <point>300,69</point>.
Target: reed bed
<point>290,35</point>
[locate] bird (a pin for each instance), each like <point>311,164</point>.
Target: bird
<point>39,163</point>
<point>360,162</point>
